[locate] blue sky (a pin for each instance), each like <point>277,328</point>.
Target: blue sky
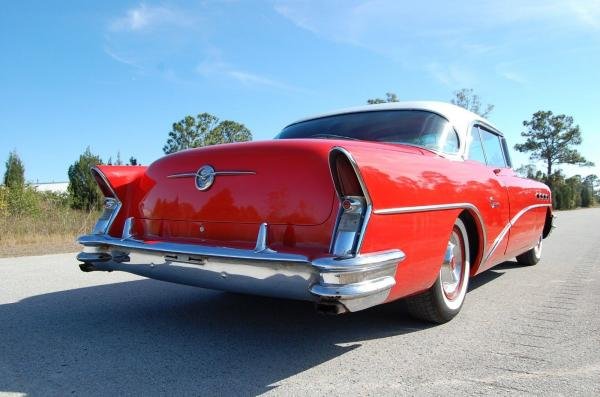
<point>114,75</point>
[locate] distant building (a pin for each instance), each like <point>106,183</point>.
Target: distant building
<point>56,187</point>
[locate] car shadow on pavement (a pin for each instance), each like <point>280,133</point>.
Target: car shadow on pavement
<point>149,337</point>
<point>491,274</point>
<point>483,278</point>
<point>509,265</point>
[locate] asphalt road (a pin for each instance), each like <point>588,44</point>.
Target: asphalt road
<point>533,330</point>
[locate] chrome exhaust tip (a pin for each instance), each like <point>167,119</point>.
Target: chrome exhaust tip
<point>330,308</point>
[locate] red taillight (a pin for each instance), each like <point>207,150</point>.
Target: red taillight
<point>345,178</point>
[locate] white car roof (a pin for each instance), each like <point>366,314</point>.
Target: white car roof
<point>459,117</point>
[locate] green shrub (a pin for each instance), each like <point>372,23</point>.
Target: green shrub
<point>3,201</point>
<point>23,201</point>
<point>83,189</point>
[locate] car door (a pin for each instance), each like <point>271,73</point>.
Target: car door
<point>485,148</point>
<point>524,223</point>
<point>526,218</point>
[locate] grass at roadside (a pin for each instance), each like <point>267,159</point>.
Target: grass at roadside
<point>50,231</point>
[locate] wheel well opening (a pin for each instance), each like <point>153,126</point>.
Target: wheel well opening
<point>548,224</point>
<point>473,232</point>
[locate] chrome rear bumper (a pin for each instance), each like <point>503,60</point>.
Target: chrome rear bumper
<point>356,283</point>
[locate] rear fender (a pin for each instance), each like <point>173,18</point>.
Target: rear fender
<point>401,184</point>
<point>128,184</point>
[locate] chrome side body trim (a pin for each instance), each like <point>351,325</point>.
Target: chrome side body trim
<point>441,207</point>
<point>356,282</point>
<point>438,207</point>
<point>506,228</point>
<point>425,208</point>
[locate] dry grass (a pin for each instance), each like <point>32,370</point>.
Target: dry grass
<point>51,231</point>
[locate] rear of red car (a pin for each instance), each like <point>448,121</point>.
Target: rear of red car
<point>279,218</point>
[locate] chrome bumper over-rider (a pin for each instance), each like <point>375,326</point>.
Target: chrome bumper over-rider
<point>355,282</point>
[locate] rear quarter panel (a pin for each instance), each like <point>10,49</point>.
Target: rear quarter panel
<point>129,184</point>
<point>397,178</point>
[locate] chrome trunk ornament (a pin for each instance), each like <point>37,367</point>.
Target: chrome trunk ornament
<point>205,176</point>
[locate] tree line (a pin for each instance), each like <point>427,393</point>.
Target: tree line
<point>19,198</point>
<point>567,192</point>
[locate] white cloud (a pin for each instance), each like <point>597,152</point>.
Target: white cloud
<point>587,12</point>
<point>451,75</point>
<point>508,72</point>
<point>108,51</point>
<point>173,37</point>
<point>144,17</point>
<point>211,68</point>
<point>378,23</point>
<point>443,37</point>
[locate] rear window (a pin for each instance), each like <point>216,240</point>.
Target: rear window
<point>413,127</point>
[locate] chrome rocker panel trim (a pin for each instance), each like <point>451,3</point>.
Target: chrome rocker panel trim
<point>356,282</point>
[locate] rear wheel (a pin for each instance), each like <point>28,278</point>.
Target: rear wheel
<point>445,298</point>
<point>532,256</point>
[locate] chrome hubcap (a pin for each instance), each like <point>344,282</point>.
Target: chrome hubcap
<point>451,273</point>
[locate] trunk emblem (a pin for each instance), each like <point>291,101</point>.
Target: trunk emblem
<point>205,176</point>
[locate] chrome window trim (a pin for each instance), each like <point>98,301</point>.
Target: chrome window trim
<point>485,125</point>
<point>468,147</point>
<point>480,124</point>
<point>506,152</point>
<point>502,149</point>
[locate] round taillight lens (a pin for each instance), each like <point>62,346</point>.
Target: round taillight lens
<point>346,205</point>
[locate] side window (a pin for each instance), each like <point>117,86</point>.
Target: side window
<point>475,147</point>
<point>494,151</point>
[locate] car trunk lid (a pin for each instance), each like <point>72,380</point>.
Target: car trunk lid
<point>277,182</point>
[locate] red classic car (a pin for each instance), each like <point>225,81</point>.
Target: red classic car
<point>348,209</point>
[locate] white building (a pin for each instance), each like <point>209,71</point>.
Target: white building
<point>57,187</point>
